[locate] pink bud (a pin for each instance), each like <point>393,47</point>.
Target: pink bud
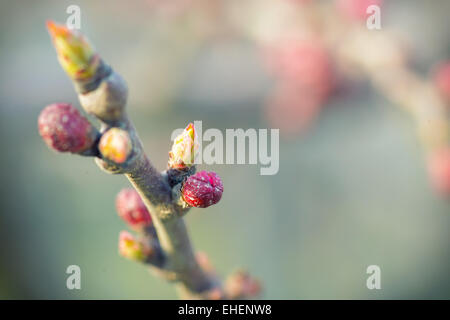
<point>64,129</point>
<point>132,209</point>
<point>202,189</point>
<point>131,248</point>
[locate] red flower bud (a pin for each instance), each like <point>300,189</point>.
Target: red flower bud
<point>132,209</point>
<point>64,129</point>
<point>439,170</point>
<point>202,189</point>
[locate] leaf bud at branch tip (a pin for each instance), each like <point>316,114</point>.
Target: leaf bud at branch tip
<point>75,54</point>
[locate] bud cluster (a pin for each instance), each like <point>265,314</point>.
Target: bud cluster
<point>133,211</point>
<point>103,93</point>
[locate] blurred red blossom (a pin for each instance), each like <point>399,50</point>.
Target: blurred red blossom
<point>292,109</point>
<point>439,170</point>
<point>306,63</point>
<point>442,79</point>
<point>356,10</point>
<point>305,78</point>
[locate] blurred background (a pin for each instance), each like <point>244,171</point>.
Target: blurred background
<point>364,177</point>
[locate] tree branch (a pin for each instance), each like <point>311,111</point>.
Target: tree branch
<point>165,243</point>
<point>156,193</point>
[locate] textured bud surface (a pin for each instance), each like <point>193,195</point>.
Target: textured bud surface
<point>115,145</point>
<point>64,129</point>
<point>131,208</point>
<point>202,189</point>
